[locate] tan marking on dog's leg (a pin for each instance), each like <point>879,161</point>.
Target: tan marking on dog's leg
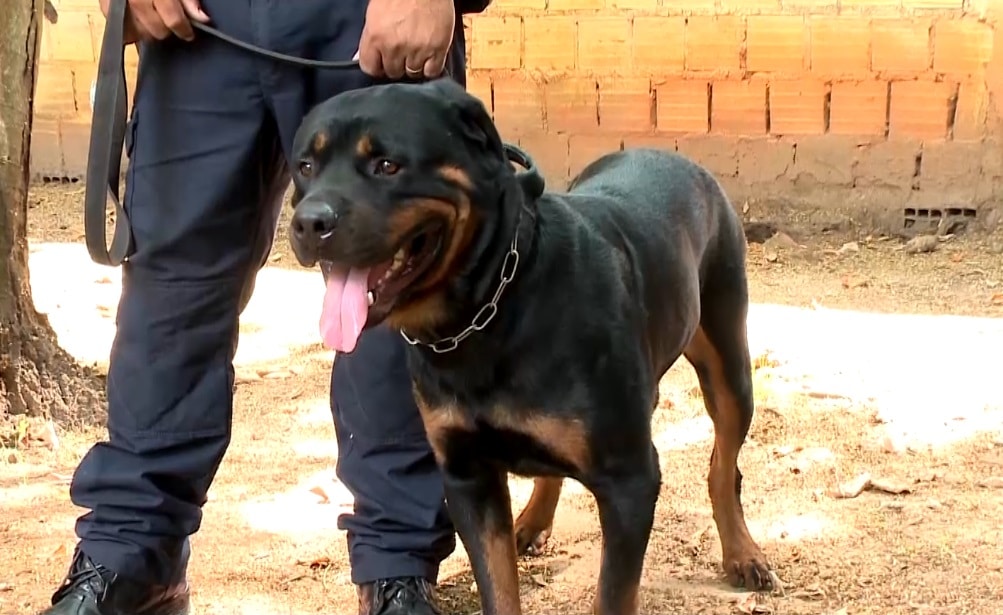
<point>536,521</point>
<point>727,392</point>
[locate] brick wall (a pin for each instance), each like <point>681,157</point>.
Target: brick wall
<point>876,104</point>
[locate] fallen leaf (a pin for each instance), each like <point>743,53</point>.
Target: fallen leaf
<point>60,552</point>
<point>750,605</point>
<point>6,587</point>
<point>809,593</point>
<point>889,486</point>
<point>693,544</point>
<point>849,247</point>
<point>539,580</point>
<point>921,244</point>
<point>997,299</point>
<point>855,281</point>
<point>771,255</point>
<point>296,394</point>
<point>993,482</point>
<point>852,488</point>
<point>316,564</point>
<point>319,492</point>
<point>957,257</point>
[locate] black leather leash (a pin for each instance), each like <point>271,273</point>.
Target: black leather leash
<point>108,126</point>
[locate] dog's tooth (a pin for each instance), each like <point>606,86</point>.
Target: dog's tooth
<point>371,298</point>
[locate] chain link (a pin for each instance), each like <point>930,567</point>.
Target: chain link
<point>484,315</point>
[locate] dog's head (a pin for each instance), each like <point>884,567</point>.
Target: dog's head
<point>393,185</point>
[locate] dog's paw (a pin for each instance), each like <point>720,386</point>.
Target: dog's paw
<point>749,570</point>
<point>531,540</point>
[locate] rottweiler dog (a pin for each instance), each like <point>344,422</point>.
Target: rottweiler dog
<point>539,323</point>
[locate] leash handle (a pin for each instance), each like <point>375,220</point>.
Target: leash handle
<point>104,157</point>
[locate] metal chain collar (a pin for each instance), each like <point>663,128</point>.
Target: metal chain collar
<point>485,314</point>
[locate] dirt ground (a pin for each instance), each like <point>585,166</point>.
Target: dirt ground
<point>875,366</point>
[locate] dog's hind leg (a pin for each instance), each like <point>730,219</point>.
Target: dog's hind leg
<point>719,352</point>
<point>536,521</point>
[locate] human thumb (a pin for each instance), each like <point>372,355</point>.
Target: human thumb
<point>193,8</point>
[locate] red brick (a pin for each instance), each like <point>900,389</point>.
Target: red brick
<point>549,43</point>
<point>603,43</point>
<point>574,5</point>
<point>45,46</point>
<point>933,4</point>
<point>550,152</point>
<point>887,163</point>
<point>947,168</point>
<point>971,111</point>
<point>961,46</point>
<point>572,105</point>
<point>776,44</point>
<point>738,107</point>
<point>824,159</point>
<point>515,7</point>
<point>54,92</point>
<point>660,142</point>
<point>797,107</point>
<point>749,6</point>
<point>584,149</point>
<point>900,46</point>
<point>72,37</point>
<point>479,84</point>
<point>658,44</point>
<point>625,104</point>
<point>518,106</point>
<point>858,108</point>
<point>919,109</point>
<point>495,42</point>
<point>682,106</point>
<point>871,5</point>
<point>620,5</point>
<point>840,46</point>
<point>76,143</point>
<point>714,43</point>
<point>713,152</point>
<point>84,74</point>
<point>764,160</point>
<point>46,150</point>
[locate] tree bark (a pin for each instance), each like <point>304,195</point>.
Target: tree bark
<point>37,377</point>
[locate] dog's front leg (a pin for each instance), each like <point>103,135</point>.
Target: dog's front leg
<point>626,499</point>
<point>481,509</point>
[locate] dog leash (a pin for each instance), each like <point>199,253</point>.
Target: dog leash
<point>108,127</point>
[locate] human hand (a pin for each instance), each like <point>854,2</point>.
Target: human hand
<point>146,19</point>
<point>406,37</point>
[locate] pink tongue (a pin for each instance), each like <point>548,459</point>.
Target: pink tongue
<point>346,306</point>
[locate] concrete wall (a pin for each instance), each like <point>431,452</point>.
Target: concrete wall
<point>884,106</point>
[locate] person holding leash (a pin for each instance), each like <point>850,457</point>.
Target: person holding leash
<point>208,143</point>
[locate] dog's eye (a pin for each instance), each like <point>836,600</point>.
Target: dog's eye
<point>305,168</point>
<point>384,166</point>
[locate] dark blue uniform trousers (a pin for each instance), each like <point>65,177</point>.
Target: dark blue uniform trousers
<point>211,130</point>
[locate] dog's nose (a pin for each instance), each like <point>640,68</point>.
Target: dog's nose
<point>314,220</point>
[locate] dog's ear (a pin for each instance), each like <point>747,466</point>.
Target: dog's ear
<point>477,124</point>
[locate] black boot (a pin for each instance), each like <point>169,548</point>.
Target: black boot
<point>403,596</point>
<point>91,589</point>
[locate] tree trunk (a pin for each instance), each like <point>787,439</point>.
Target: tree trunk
<point>37,377</point>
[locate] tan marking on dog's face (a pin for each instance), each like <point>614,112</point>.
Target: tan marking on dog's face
<point>320,142</point>
<point>364,146</point>
<point>457,176</point>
